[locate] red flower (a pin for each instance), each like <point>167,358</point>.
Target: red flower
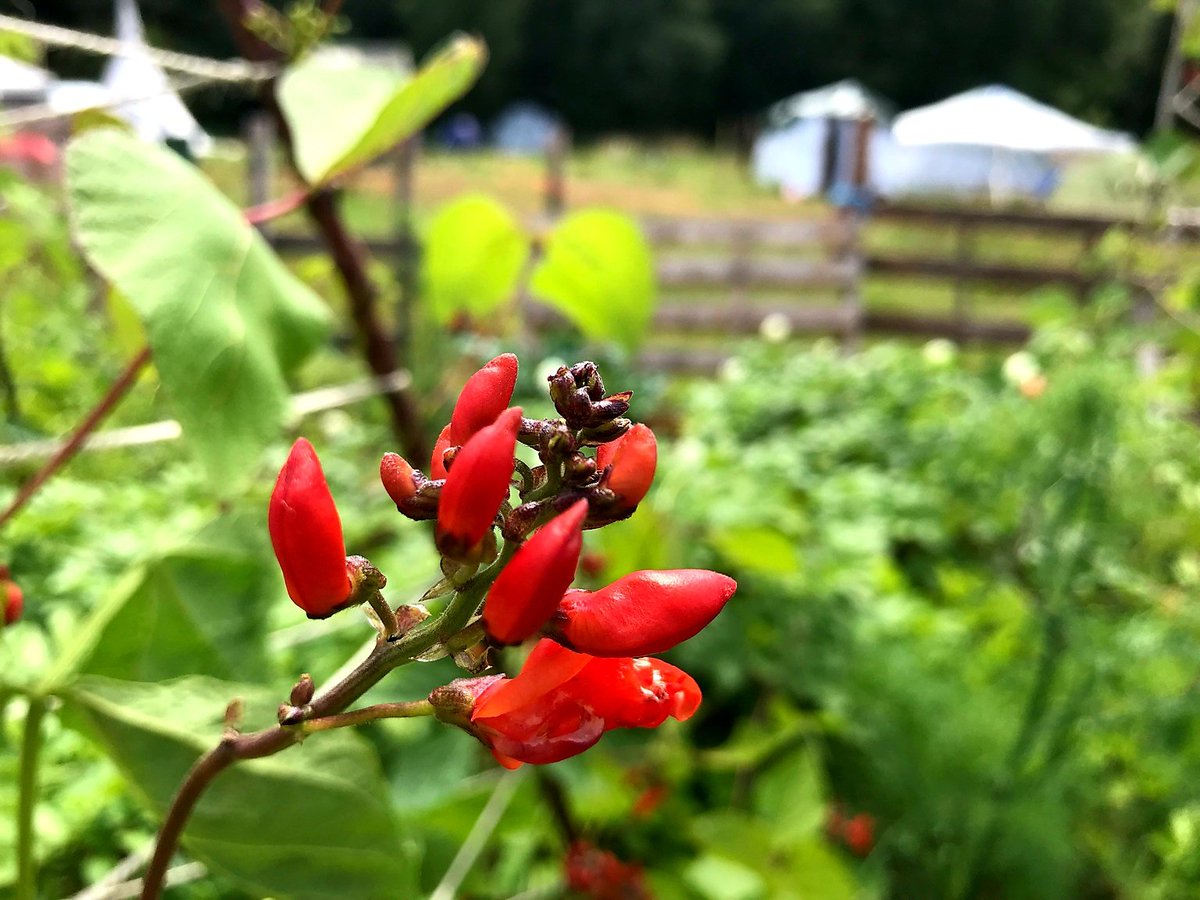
<point>437,463</point>
<point>485,395</point>
<point>307,535</point>
<point>397,477</point>
<point>633,457</point>
<point>14,599</point>
<point>601,875</point>
<point>562,702</point>
<point>642,613</point>
<point>476,486</point>
<point>527,591</point>
<point>859,832</point>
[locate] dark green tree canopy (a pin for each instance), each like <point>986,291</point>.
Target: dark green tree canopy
<point>656,66</point>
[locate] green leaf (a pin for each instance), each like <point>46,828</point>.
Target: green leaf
<point>311,821</point>
<point>399,113</point>
<point>191,611</point>
<point>328,105</point>
<point>473,255</point>
<point>791,795</point>
<point>717,878</point>
<point>597,271</point>
<point>758,549</point>
<point>225,318</point>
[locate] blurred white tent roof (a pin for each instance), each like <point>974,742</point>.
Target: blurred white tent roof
<point>142,92</point>
<point>22,78</point>
<point>846,99</point>
<point>1000,117</point>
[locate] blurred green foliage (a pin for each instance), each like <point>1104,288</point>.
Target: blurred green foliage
<point>983,602</point>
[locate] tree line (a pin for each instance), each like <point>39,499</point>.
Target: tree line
<point>670,66</point>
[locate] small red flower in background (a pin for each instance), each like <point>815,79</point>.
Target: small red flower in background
<point>398,479</point>
<point>528,589</point>
<point>649,800</point>
<point>11,596</point>
<point>306,533</point>
<point>633,458</point>
<point>562,702</point>
<point>485,395</point>
<point>477,484</point>
<point>641,613</point>
<point>857,832</point>
<point>600,875</point>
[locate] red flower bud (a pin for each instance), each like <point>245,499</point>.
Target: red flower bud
<point>397,477</point>
<point>476,486</point>
<point>14,599</point>
<point>562,702</point>
<point>527,591</point>
<point>633,457</point>
<point>307,535</point>
<point>641,613</point>
<point>437,463</point>
<point>485,395</point>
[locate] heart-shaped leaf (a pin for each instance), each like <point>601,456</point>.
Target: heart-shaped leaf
<point>225,318</point>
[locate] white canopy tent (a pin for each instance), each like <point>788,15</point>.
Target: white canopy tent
<point>140,92</point>
<point>1000,117</point>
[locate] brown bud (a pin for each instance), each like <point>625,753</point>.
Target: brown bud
<point>302,691</point>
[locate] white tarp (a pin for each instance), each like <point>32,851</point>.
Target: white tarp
<point>999,117</point>
<point>141,89</point>
<point>841,100</point>
<point>22,79</point>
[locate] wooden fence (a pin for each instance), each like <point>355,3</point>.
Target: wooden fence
<point>810,274</point>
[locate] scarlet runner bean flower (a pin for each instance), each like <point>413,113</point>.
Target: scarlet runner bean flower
<point>528,590</point>
<point>437,463</point>
<point>306,533</point>
<point>562,702</point>
<point>477,484</point>
<point>485,395</point>
<point>11,596</point>
<point>641,613</point>
<point>633,458</point>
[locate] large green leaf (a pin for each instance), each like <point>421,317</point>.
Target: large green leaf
<point>328,105</point>
<point>224,317</point>
<point>186,613</point>
<point>473,254</point>
<point>353,136</point>
<point>597,271</point>
<point>312,821</point>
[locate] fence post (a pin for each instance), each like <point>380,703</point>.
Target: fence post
<point>557,149</point>
<point>851,256</point>
<point>404,162</point>
<point>260,158</point>
<point>964,246</point>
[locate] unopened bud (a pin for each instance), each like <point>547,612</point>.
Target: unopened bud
<point>303,690</point>
<point>602,434</point>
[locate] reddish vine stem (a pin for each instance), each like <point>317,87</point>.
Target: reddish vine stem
<point>82,431</point>
<point>348,255</point>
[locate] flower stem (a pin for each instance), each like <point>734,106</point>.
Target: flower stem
<point>368,714</point>
<point>31,748</point>
<point>107,404</point>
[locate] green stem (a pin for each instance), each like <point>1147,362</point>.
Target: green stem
<point>409,710</point>
<point>31,748</point>
<point>458,613</point>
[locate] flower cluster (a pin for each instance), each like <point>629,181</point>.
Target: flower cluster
<point>509,564</point>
